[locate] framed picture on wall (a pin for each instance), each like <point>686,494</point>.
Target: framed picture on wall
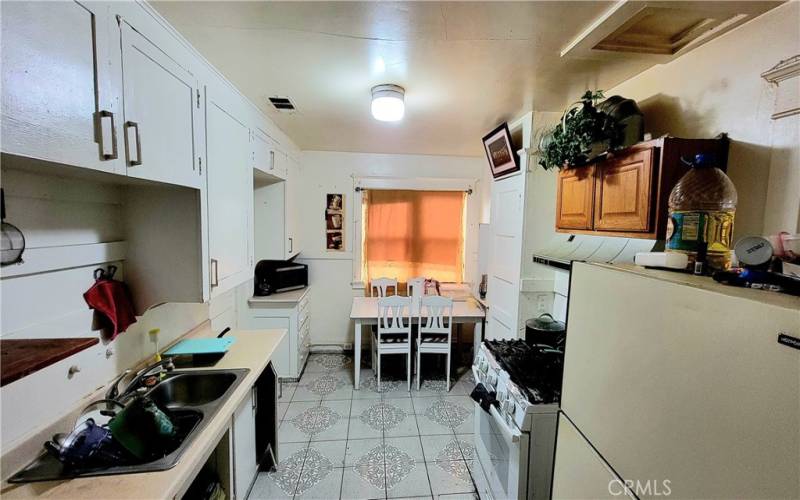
<point>503,160</point>
<point>334,222</point>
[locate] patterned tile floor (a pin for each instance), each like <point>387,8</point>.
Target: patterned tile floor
<point>335,442</point>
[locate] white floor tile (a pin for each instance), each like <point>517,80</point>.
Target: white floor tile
<point>332,450</point>
<point>295,408</point>
<point>361,430</point>
<point>406,427</point>
<point>414,484</point>
<point>355,487</point>
<point>288,433</point>
<point>409,444</point>
<point>327,488</point>
<point>266,488</point>
<point>441,447</point>
<point>449,477</point>
<point>358,448</point>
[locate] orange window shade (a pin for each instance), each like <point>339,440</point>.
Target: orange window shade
<point>414,233</point>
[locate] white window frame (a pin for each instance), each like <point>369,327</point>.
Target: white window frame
<point>410,184</point>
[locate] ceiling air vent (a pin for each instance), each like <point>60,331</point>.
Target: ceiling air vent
<point>282,104</point>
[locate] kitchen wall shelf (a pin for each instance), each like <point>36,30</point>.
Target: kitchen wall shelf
<point>21,357</point>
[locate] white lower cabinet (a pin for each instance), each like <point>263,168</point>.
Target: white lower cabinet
<point>288,311</point>
<point>245,460</point>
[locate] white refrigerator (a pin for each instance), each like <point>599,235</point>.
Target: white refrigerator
<point>677,387</point>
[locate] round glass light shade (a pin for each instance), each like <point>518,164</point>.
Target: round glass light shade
<point>387,103</point>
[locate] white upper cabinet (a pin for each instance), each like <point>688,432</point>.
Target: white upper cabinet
<point>230,191</point>
<point>161,113</point>
<point>59,101</point>
<point>266,157</point>
<point>292,204</point>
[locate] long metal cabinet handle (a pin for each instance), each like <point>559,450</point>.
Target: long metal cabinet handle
<point>215,265</point>
<point>138,160</point>
<point>291,245</point>
<point>272,160</point>
<point>114,154</point>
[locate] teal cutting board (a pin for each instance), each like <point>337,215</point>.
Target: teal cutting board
<point>201,346</point>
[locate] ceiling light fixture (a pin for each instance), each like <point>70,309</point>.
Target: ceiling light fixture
<point>387,102</point>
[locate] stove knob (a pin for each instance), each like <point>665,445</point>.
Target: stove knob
<point>492,379</point>
<point>510,407</point>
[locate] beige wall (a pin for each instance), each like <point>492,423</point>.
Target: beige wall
<point>718,88</point>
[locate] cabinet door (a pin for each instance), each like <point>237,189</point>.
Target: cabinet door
<point>291,198</point>
<point>245,461</point>
<point>624,193</point>
<point>230,194</point>
<point>161,102</point>
<point>59,102</point>
<point>575,198</point>
<point>264,154</point>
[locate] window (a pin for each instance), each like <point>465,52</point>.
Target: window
<point>413,233</point>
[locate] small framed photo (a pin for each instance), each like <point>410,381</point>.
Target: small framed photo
<point>333,221</point>
<point>499,149</point>
<point>335,241</point>
<point>335,203</point>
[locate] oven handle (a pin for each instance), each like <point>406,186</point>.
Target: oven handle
<point>510,434</point>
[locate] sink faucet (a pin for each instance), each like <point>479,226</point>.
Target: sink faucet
<point>164,365</point>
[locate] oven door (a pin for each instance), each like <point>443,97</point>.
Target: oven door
<point>502,452</point>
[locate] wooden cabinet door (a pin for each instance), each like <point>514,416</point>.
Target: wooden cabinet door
<point>161,102</point>
<point>245,462</point>
<point>575,198</point>
<point>230,194</point>
<point>624,189</point>
<point>59,102</point>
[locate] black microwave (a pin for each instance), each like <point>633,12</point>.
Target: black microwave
<point>276,276</point>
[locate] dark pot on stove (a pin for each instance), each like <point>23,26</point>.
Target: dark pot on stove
<point>545,330</point>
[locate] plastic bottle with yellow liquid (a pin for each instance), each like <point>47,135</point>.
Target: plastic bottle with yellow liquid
<point>702,206</point>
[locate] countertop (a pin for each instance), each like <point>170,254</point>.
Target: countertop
<point>253,350</point>
<point>284,298</point>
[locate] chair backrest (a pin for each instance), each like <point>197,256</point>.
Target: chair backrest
<point>436,315</point>
<point>416,287</point>
<point>379,287</point>
<point>394,315</point>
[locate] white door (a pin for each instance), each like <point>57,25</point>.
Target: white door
<point>230,195</point>
<point>58,98</point>
<point>161,102</point>
<point>505,259</point>
<point>245,462</point>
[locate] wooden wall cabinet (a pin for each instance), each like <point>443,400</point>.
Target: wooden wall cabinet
<point>626,194</point>
<point>575,201</point>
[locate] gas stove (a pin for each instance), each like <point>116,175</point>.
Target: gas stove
<point>526,382</point>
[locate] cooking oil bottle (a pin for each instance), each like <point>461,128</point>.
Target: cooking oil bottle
<point>702,206</point>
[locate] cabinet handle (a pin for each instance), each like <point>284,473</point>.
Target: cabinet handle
<point>272,160</point>
<point>255,399</point>
<point>215,272</point>
<point>291,245</point>
<point>113,155</point>
<point>135,126</point>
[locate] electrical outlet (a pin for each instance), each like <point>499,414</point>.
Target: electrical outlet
<point>541,304</point>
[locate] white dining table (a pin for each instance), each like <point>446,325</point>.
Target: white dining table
<point>365,312</point>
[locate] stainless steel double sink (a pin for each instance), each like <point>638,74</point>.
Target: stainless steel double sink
<point>192,397</point>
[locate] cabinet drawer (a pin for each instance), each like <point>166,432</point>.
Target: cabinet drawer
<point>574,206</point>
<point>623,193</point>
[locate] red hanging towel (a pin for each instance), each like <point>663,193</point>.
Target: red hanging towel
<point>112,299</point>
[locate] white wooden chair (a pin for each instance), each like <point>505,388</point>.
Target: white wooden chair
<point>435,330</point>
<point>393,335</point>
<point>379,287</point>
<point>416,287</point>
